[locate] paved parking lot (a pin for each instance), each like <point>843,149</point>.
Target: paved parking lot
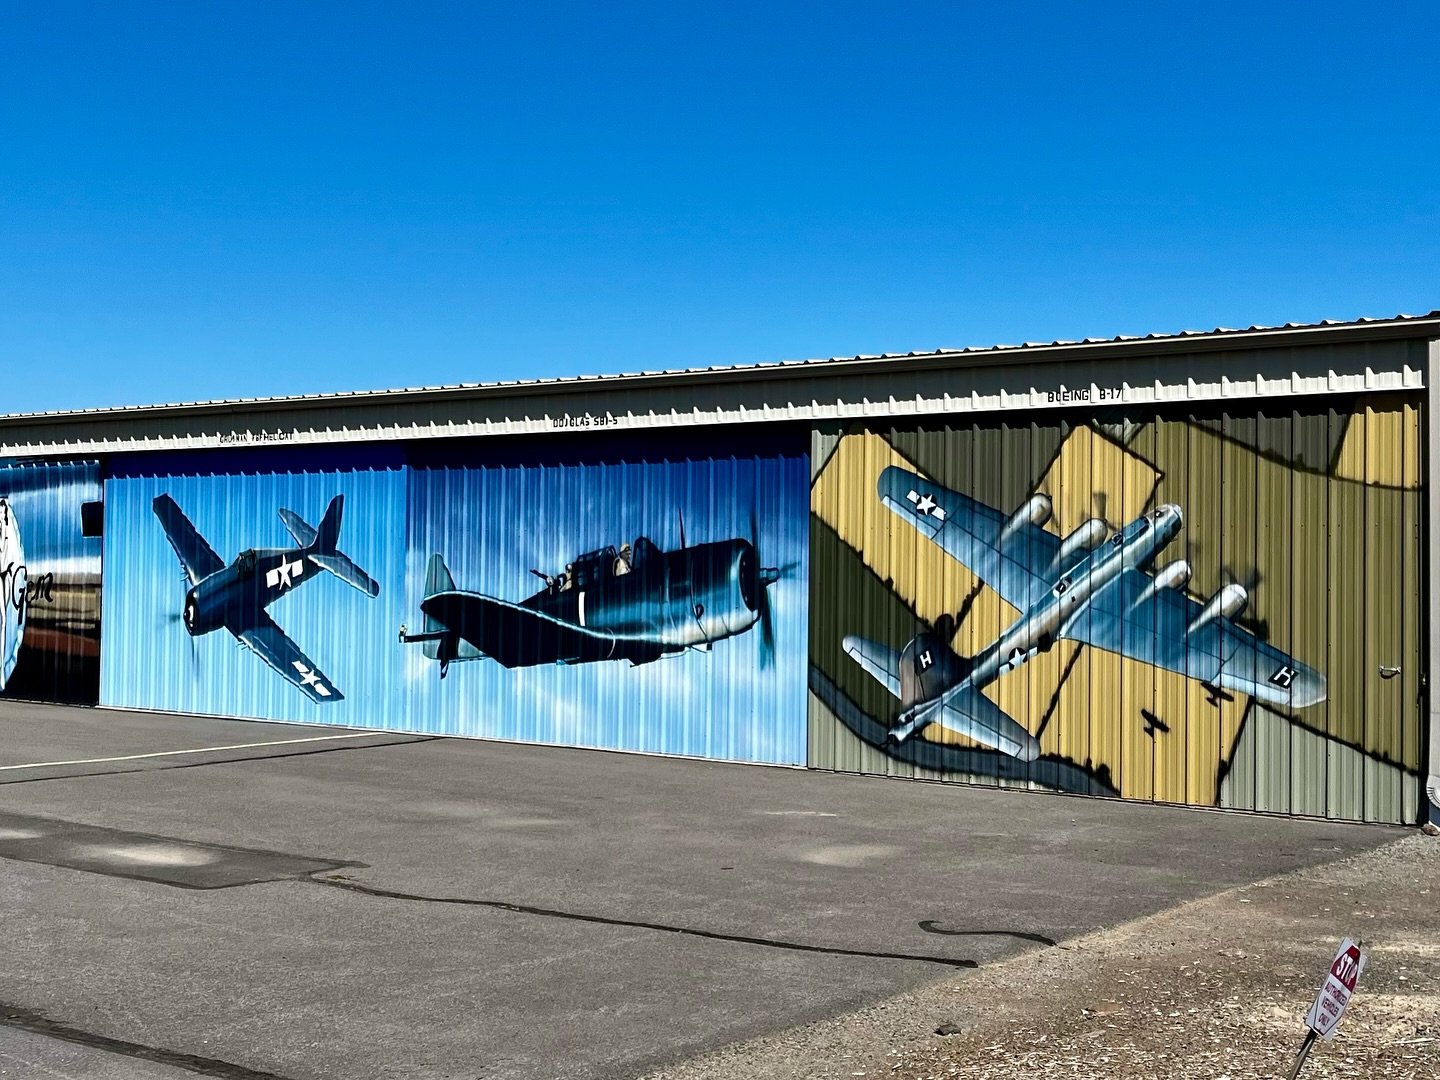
<point>191,896</point>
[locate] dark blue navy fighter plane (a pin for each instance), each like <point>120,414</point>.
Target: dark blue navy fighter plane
<point>235,597</point>
<point>1091,587</point>
<point>638,604</point>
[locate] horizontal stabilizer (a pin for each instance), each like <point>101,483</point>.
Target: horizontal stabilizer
<point>880,662</point>
<point>303,533</point>
<point>966,711</point>
<point>346,570</point>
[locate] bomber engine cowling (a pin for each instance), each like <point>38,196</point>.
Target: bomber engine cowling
<point>1036,511</point>
<point>1174,576</point>
<point>1228,602</point>
<point>1087,537</point>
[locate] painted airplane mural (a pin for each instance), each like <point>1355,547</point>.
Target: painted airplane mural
<point>638,604</point>
<point>1091,587</point>
<point>235,597</point>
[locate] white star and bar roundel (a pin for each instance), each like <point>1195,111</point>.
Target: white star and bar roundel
<point>926,505</point>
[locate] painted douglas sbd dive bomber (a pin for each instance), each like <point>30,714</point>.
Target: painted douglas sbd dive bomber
<point>636,604</point>
<point>1090,587</point>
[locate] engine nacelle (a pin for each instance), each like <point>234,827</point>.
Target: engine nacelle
<point>1087,537</point>
<point>1036,511</point>
<point>1229,602</point>
<point>1174,576</point>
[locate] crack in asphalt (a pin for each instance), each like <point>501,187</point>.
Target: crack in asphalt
<point>13,1016</point>
<point>665,928</point>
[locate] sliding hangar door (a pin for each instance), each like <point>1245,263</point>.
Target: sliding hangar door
<point>1262,649</point>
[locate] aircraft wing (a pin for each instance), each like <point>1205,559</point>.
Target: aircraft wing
<point>195,555</point>
<point>1155,630</point>
<point>266,640</point>
<point>1017,566</point>
<point>518,636</point>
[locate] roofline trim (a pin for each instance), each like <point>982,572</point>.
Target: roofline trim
<point>1255,337</point>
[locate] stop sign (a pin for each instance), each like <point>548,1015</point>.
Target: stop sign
<point>1324,1015</point>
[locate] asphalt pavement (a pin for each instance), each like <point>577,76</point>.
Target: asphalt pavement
<point>196,896</point>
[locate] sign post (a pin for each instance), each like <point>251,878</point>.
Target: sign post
<point>1324,1016</point>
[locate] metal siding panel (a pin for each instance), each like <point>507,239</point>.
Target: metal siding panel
<point>1275,524</point>
<point>1413,689</point>
<point>1310,599</point>
<point>1347,664</point>
<point>1238,528</point>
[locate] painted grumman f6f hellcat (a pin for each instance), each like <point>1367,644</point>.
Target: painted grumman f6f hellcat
<point>235,597</point>
<point>638,604</point>
<point>1090,587</point>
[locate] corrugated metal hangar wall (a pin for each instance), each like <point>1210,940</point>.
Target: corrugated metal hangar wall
<point>1175,570</point>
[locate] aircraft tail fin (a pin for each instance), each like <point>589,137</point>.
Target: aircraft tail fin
<point>323,547</point>
<point>928,668</point>
<point>438,580</point>
<point>327,536</point>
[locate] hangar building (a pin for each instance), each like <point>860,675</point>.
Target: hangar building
<point>1191,569</point>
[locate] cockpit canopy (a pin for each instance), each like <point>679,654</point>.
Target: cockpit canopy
<point>602,563</point>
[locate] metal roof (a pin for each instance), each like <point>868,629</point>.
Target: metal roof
<point>1189,340</point>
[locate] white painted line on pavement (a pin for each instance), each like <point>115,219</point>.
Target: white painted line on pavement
<point>196,750</point>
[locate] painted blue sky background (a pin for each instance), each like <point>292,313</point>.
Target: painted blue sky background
<point>201,200</point>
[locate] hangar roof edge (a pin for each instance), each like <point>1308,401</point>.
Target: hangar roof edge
<point>1288,335</point>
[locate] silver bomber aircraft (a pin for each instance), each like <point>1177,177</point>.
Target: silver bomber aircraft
<point>1090,587</point>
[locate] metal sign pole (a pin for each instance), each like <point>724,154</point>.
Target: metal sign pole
<point>1304,1053</point>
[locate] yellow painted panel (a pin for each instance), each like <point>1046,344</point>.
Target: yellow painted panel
<point>1381,445</point>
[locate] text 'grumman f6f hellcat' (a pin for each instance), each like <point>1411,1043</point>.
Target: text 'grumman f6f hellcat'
<point>636,604</point>
<point>1090,587</point>
<point>235,597</point>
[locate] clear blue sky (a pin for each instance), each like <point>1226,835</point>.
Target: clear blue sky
<point>212,200</point>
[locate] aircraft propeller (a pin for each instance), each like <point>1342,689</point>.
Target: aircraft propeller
<point>765,577</point>
<point>179,617</point>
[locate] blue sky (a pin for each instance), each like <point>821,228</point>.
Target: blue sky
<point>202,200</point>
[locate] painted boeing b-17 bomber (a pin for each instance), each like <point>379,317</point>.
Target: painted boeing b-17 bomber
<point>1091,587</point>
<point>235,597</point>
<point>638,604</point>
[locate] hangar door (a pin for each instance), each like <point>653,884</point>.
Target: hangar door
<point>1217,608</point>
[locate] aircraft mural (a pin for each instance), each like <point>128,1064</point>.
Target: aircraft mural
<point>1090,587</point>
<point>235,597</point>
<point>637,604</point>
<point>14,591</point>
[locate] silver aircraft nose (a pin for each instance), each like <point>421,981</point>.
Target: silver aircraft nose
<point>1178,514</point>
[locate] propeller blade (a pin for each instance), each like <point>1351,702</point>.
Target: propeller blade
<point>767,632</point>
